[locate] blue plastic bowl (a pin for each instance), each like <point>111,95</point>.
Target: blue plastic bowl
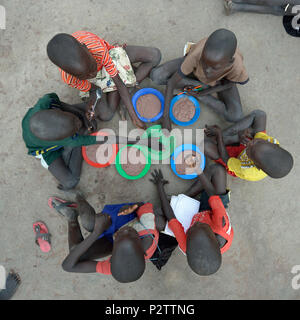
<point>197,111</point>
<point>180,149</point>
<point>144,91</point>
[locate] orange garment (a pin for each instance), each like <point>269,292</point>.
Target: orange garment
<point>213,217</point>
<point>99,49</point>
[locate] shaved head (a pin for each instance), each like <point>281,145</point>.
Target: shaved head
<point>52,125</point>
<point>71,56</point>
<point>275,161</point>
<point>220,45</point>
<point>127,260</point>
<point>203,250</point>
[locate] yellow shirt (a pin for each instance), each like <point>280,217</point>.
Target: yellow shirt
<point>244,167</point>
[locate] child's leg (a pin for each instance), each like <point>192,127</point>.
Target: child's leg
<point>269,2</point>
<point>107,105</point>
<point>228,105</point>
<point>217,174</point>
<point>67,173</point>
<point>262,9</point>
<point>148,58</point>
<point>101,248</point>
<point>161,74</point>
<point>86,213</point>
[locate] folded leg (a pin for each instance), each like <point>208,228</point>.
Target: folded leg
<point>67,169</point>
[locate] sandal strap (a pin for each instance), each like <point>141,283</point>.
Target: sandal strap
<point>43,236</point>
<point>39,235</point>
<point>62,205</point>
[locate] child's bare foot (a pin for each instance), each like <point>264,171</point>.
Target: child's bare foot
<point>62,208</point>
<point>229,7</point>
<point>13,282</point>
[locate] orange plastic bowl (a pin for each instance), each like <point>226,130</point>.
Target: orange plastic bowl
<point>96,164</point>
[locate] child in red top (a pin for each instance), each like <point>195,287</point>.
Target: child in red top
<point>210,233</point>
<point>133,243</point>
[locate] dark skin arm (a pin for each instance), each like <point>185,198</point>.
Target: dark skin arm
<point>256,121</point>
<point>152,143</point>
<point>171,85</point>
<point>72,262</point>
<point>125,96</point>
<point>225,84</point>
<point>215,131</point>
<point>159,181</point>
<point>194,164</point>
<point>88,122</point>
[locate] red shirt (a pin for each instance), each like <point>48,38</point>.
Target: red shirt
<point>99,49</point>
<point>213,217</point>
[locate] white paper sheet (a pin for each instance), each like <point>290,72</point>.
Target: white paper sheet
<point>184,209</point>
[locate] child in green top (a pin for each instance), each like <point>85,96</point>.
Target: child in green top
<point>54,132</point>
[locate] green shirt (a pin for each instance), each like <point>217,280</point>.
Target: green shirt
<point>50,150</point>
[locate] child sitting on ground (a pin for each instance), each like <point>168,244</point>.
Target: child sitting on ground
<point>216,64</point>
<point>127,232</point>
<point>210,233</point>
<point>275,7</point>
<point>88,62</point>
<point>246,151</point>
<point>54,132</point>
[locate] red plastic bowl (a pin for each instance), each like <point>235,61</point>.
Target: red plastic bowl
<point>96,164</point>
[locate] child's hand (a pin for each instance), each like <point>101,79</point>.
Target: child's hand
<point>245,136</point>
<point>102,222</point>
<point>127,210</point>
<point>212,131</point>
<point>158,178</point>
<point>193,164</point>
<point>90,113</point>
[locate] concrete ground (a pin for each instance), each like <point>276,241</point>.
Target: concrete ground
<point>264,214</point>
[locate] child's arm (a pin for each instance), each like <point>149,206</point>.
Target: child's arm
<point>174,224</point>
<point>159,181</point>
<point>216,131</point>
<point>255,121</point>
<point>125,96</point>
<point>171,85</point>
<point>218,211</point>
<point>71,262</point>
<point>78,111</point>
<point>226,84</point>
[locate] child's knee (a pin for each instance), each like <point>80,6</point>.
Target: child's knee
<point>217,168</point>
<point>156,57</point>
<point>233,117</point>
<point>158,76</point>
<point>70,183</point>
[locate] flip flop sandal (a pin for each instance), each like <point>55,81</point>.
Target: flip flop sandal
<point>13,282</point>
<point>64,203</point>
<point>42,236</point>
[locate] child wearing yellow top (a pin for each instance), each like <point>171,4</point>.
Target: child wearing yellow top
<point>246,150</point>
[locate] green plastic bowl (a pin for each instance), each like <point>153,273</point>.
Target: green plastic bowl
<point>145,170</point>
<point>168,142</point>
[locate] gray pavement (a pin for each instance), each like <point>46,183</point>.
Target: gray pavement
<point>264,214</point>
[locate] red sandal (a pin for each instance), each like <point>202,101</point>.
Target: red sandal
<point>42,236</point>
